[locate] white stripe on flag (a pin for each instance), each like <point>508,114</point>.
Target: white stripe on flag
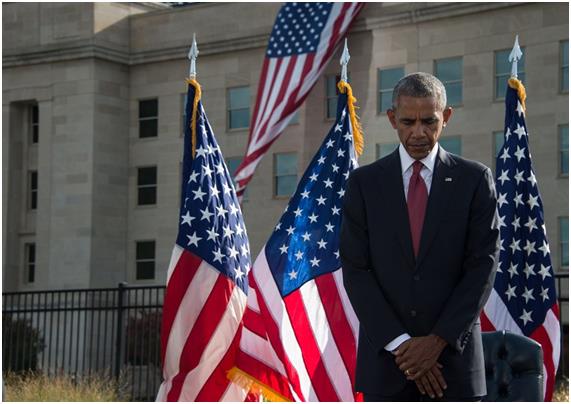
<point>190,307</point>
<point>347,307</point>
<point>268,291</point>
<point>261,350</point>
<point>217,346</point>
<point>324,40</point>
<point>175,256</point>
<point>253,300</point>
<point>332,361</point>
<point>270,105</point>
<point>272,130</point>
<point>271,71</point>
<point>552,329</point>
<point>498,314</point>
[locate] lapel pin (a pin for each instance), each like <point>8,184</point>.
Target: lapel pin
<point>448,179</point>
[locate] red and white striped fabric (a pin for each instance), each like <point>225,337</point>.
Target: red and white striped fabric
<point>294,61</point>
<point>303,347</point>
<point>206,291</point>
<point>496,317</point>
<point>201,337</point>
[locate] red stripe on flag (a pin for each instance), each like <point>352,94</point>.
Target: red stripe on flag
<point>179,281</point>
<point>540,335</point>
<point>218,381</point>
<point>201,333</point>
<point>275,340</point>
<point>265,374</point>
<point>321,382</point>
<point>340,327</point>
<point>486,323</point>
<point>254,322</point>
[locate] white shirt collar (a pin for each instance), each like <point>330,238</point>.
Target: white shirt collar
<point>406,161</point>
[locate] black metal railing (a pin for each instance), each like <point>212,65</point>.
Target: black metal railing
<point>116,332</point>
<point>82,332</point>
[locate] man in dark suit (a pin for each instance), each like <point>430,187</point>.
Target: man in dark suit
<point>419,248</point>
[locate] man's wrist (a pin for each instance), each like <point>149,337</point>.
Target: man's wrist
<point>439,341</point>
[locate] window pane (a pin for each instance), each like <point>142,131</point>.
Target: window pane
<point>498,142</point>
<point>148,108</point>
<point>452,144</point>
<point>35,114</point>
<point>239,97</point>
<point>148,128</point>
<point>286,164</point>
<point>147,196</point>
<point>35,133</point>
<point>453,93</point>
<point>385,101</point>
<point>565,79</point>
<point>145,270</point>
<point>294,118</point>
<point>239,118</point>
<point>449,69</point>
<point>503,70</point>
<point>145,250</point>
<point>564,148</point>
<point>386,149</point>
<point>33,190</point>
<point>147,176</point>
<point>31,262</point>
<point>389,77</point>
<point>286,185</point>
<point>564,233</point>
<point>34,180</point>
<point>565,66</point>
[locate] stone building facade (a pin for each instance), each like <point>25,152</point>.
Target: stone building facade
<point>92,107</point>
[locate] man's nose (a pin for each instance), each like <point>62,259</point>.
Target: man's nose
<point>418,130</point>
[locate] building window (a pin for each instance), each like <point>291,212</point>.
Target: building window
<point>564,150</point>
<point>564,81</point>
<point>384,149</point>
<point>564,242</point>
<point>34,123</point>
<point>331,94</point>
<point>238,107</point>
<point>33,190</point>
<point>452,144</point>
<point>147,186</point>
<point>386,81</point>
<point>145,260</point>
<point>450,73</point>
<point>30,252</point>
<point>285,169</point>
<point>504,71</point>
<point>148,118</point>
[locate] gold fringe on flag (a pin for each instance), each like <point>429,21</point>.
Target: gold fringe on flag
<point>253,385</point>
<point>519,87</point>
<point>358,140</point>
<point>197,96</point>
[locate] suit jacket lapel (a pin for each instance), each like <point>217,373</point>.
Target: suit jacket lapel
<point>442,187</point>
<point>397,204</point>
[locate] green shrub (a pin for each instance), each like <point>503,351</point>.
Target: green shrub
<point>144,338</point>
<point>21,344</point>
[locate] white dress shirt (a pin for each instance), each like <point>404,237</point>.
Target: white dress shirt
<point>426,173</point>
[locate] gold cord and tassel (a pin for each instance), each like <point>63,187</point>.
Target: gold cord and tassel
<point>519,87</point>
<point>197,96</point>
<point>358,140</point>
<point>255,386</point>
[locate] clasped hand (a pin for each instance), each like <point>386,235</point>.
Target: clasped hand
<point>417,358</point>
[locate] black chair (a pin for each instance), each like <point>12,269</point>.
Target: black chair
<point>514,367</point>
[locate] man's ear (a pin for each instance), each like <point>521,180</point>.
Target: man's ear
<point>392,117</point>
<point>447,114</point>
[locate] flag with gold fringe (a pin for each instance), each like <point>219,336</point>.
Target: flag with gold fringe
<point>207,282</point>
<point>523,300</point>
<point>300,334</point>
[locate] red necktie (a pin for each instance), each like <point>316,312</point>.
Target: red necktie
<point>416,202</point>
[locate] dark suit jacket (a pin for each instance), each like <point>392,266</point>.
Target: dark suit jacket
<point>442,291</point>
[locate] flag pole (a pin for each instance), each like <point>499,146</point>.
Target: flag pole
<point>344,62</point>
<point>192,55</point>
<point>514,56</point>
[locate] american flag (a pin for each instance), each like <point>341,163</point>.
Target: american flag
<point>300,335</point>
<point>207,277</point>
<point>303,40</point>
<point>523,300</point>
